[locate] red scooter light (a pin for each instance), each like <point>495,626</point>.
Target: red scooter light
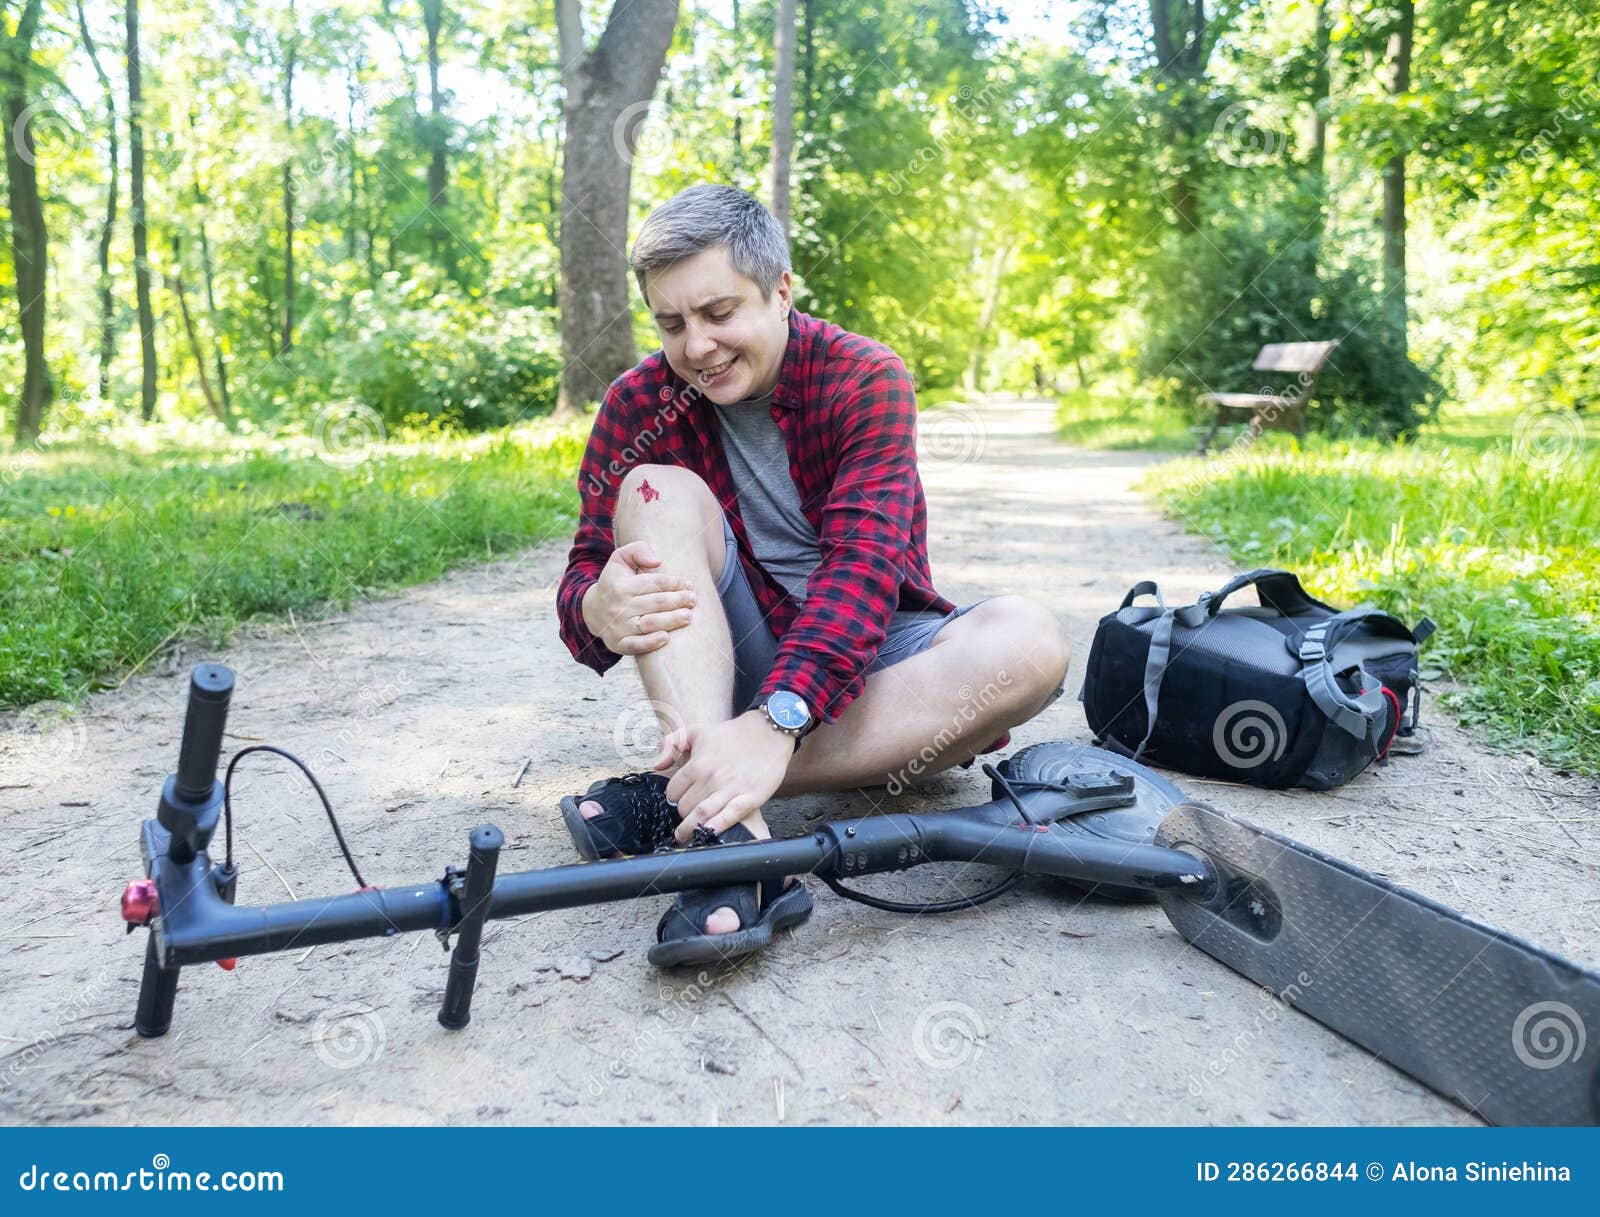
<point>140,902</point>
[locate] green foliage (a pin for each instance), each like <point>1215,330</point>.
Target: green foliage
<point>1215,299</point>
<point>419,348</point>
<point>1498,541</point>
<point>109,551</point>
<point>1130,416</point>
<point>897,208</point>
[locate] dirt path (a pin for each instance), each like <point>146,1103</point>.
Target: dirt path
<point>419,713</point>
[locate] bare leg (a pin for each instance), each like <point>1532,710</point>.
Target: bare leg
<point>690,680</point>
<point>986,672</point>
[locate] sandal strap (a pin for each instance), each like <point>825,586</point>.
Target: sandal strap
<point>635,817</point>
<point>686,918</point>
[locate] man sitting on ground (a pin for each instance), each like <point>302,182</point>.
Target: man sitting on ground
<point>753,534</point>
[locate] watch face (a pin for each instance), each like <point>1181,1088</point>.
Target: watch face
<point>788,710</point>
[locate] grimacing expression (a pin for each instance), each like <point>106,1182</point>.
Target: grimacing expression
<point>717,331</point>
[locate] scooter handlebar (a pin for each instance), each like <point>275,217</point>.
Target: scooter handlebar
<point>210,690</point>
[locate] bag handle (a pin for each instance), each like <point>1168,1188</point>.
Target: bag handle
<point>1278,589</point>
<point>1149,587</point>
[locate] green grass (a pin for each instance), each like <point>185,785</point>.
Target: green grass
<point>1121,418</point>
<point>1491,529</point>
<point>109,549</point>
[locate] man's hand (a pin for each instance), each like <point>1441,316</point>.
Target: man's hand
<point>632,607</point>
<point>733,768</point>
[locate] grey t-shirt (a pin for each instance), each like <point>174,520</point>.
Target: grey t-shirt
<point>781,537</point>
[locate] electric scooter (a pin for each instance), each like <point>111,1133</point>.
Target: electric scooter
<point>1502,1027</point>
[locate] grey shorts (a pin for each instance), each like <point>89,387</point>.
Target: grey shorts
<point>754,647</point>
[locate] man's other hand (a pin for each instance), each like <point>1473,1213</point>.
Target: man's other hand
<point>634,607</point>
<point>732,769</point>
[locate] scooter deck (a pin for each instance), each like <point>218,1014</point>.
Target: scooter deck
<point>1111,799</point>
<point>1507,1030</point>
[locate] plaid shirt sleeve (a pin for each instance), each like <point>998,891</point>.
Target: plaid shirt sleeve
<point>598,481</point>
<point>866,529</point>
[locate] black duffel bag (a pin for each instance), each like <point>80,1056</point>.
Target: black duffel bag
<point>1290,693</point>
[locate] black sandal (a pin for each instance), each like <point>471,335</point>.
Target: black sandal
<point>637,818</point>
<point>681,938</point>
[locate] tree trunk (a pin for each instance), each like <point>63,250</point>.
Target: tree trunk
<point>1321,88</point>
<point>141,251</point>
<point>810,65</point>
<point>432,15</point>
<point>782,110</point>
<point>175,281</point>
<point>1181,53</point>
<point>29,251</point>
<point>108,335</point>
<point>270,317</point>
<point>738,103</point>
<point>352,217</point>
<point>200,203</point>
<point>1394,184</point>
<point>291,52</point>
<point>973,381</point>
<point>621,71</point>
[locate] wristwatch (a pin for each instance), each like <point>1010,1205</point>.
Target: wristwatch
<point>788,713</point>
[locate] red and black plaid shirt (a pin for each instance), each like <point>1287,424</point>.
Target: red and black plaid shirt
<point>848,415</point>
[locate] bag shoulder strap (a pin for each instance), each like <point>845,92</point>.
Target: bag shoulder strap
<point>1322,636</point>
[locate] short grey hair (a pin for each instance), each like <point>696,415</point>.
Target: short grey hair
<point>703,217</point>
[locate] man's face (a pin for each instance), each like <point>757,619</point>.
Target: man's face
<point>716,330</point>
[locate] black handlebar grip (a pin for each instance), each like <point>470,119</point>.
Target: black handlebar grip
<point>210,690</point>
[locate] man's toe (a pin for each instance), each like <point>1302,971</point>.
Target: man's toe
<point>722,921</point>
<point>589,809</point>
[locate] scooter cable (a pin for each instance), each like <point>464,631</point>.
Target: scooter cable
<point>966,902</point>
<point>227,802</point>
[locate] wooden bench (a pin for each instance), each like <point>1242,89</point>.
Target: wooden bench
<point>1284,411</point>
